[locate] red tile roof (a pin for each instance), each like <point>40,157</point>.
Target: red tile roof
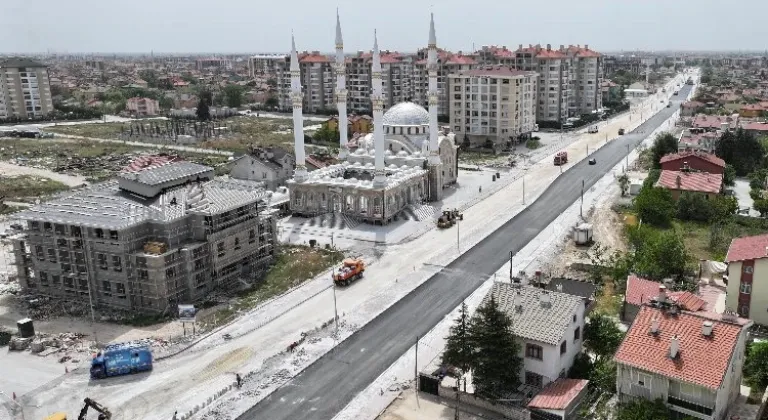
<point>150,161</point>
<point>544,53</point>
<point>748,248</point>
<point>752,107</point>
<point>559,394</point>
<point>640,290</point>
<point>714,121</point>
<point>690,153</point>
<point>692,104</point>
<point>688,301</point>
<point>756,126</point>
<point>691,181</point>
<point>701,360</point>
<point>313,58</point>
<point>460,59</point>
<point>390,58</point>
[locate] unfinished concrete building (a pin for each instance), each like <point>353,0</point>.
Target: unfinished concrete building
<point>149,240</point>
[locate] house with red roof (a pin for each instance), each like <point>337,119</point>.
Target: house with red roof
<point>693,160</point>
<point>686,180</point>
<point>697,139</point>
<point>640,291</point>
<point>691,108</point>
<point>747,292</point>
<point>561,398</point>
<point>756,128</point>
<point>691,362</point>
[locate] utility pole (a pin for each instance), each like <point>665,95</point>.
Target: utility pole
<point>416,369</point>
<point>523,186</point>
<point>335,310</point>
<point>581,207</point>
<point>458,397</point>
<point>511,257</point>
<point>458,237</point>
<point>627,157</point>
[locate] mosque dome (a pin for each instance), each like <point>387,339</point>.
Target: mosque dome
<point>406,114</point>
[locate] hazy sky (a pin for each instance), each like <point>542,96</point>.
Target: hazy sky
<point>265,26</point>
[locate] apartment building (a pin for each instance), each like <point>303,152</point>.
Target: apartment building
<point>447,64</point>
<point>691,361</point>
<point>747,261</point>
<point>25,90</point>
<point>158,236</point>
<point>493,103</point>
<point>145,107</point>
<point>569,78</point>
<point>265,64</point>
<point>317,82</point>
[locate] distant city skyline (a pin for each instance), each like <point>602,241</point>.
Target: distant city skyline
<point>237,26</point>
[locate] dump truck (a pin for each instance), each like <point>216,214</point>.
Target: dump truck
<point>449,218</point>
<point>561,158</point>
<point>351,269</point>
<point>121,359</point>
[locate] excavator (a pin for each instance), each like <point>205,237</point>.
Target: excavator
<point>104,414</point>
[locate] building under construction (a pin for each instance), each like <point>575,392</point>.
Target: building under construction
<point>151,239</point>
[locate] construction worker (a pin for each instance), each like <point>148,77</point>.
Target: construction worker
<point>239,380</point>
<point>175,413</point>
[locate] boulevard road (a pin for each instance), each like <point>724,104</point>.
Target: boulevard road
<point>326,387</point>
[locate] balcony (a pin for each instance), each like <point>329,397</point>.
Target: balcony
<point>690,406</point>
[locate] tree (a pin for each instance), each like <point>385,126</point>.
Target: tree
<point>742,150</point>
<point>203,111</point>
<point>757,179</point>
<point>756,365</point>
<point>655,206</point>
<point>582,367</point>
<point>601,336</point>
<point>640,409</point>
<point>623,181</point>
<point>729,176</point>
<point>458,344</point>
<point>723,208</point>
<point>664,144</point>
<point>165,102</point>
<point>271,102</point>
<point>234,95</point>
<point>659,254</point>
<point>694,206</point>
<point>496,364</point>
<point>603,375</point>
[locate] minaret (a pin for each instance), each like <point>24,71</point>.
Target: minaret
<point>341,91</point>
<point>435,167</point>
<point>380,178</point>
<point>300,174</point>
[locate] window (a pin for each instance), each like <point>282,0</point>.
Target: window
<point>237,243</point>
<point>117,263</point>
<point>745,288</point>
<point>220,249</point>
<point>533,351</point>
<point>577,334</point>
<point>113,234</point>
<point>251,236</point>
<point>170,272</point>
<point>106,286</point>
<point>142,274</point>
<point>99,233</point>
<point>56,280</point>
<point>644,380</point>
<point>748,269</point>
<point>102,259</point>
<point>44,278</point>
<point>533,379</point>
<point>52,254</point>
<point>563,347</point>
<point>39,252</point>
<point>120,290</point>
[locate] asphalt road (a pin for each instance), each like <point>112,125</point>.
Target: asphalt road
<point>328,385</point>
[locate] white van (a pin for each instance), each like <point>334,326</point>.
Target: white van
<point>593,129</point>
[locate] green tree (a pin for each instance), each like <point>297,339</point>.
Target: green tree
<point>756,365</point>
<point>271,102</point>
<point>603,375</point>
<point>234,95</point>
<point>149,76</point>
<point>664,144</point>
<point>741,149</point>
<point>601,336</point>
<point>458,344</point>
<point>623,181</point>
<point>640,409</point>
<point>757,179</point>
<point>723,208</point>
<point>582,367</point>
<point>655,206</point>
<point>660,255</point>
<point>761,205</point>
<point>496,364</point>
<point>694,206</point>
<point>729,176</point>
<point>165,102</point>
<point>203,111</point>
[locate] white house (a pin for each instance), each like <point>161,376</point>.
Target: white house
<point>273,166</point>
<point>549,326</point>
<point>691,361</point>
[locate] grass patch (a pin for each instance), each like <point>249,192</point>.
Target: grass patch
<point>28,186</point>
<point>607,302</point>
<point>532,144</point>
<point>293,266</point>
<point>95,130</point>
<point>5,209</point>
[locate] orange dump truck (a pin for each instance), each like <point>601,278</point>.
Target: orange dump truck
<point>351,269</point>
<point>561,158</point>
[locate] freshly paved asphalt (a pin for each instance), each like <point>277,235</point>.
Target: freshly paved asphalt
<point>328,385</point>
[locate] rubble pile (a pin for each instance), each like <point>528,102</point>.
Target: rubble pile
<point>9,285</point>
<point>45,307</point>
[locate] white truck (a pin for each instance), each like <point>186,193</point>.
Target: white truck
<point>593,129</point>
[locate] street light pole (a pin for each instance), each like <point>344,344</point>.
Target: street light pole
<point>524,186</point>
<point>335,310</point>
<point>458,236</point>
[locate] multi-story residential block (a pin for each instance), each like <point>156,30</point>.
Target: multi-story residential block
<point>162,235</point>
<point>747,294</point>
<point>144,107</point>
<point>492,103</point>
<point>25,90</point>
<point>692,362</point>
<point>447,64</point>
<point>265,64</point>
<point>317,82</point>
<point>549,326</point>
<point>586,80</point>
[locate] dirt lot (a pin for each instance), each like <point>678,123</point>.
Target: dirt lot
<point>429,407</point>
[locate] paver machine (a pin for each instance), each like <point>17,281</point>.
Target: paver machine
<point>449,218</point>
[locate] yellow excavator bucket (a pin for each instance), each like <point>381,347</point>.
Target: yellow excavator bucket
<point>57,416</point>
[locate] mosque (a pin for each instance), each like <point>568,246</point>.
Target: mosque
<point>406,161</point>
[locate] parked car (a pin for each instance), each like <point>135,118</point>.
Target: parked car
<point>621,131</point>
<point>593,161</point>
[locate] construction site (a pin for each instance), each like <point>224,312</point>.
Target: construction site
<point>152,239</point>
